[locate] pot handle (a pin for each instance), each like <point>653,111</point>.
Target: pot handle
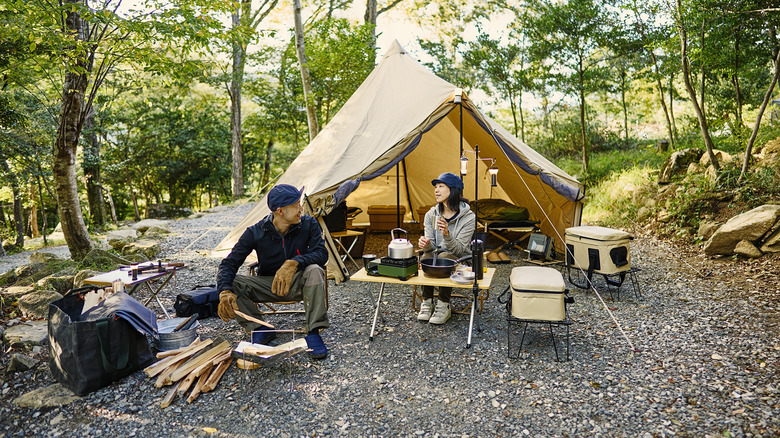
<point>392,236</point>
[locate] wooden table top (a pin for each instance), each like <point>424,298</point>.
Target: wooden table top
<point>421,280</point>
<point>125,275</point>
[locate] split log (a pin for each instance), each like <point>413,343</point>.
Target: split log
<point>211,383</point>
<point>253,319</point>
<point>201,382</point>
<point>193,363</point>
<point>169,397</point>
<point>158,367</point>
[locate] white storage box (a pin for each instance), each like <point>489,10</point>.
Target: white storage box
<point>537,293</point>
<point>598,249</point>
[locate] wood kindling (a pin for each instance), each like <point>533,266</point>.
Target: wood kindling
<point>158,367</point>
<point>199,386</point>
<point>211,383</point>
<point>195,362</point>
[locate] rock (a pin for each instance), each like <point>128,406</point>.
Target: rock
<point>144,225</point>
<point>20,362</point>
<point>27,334</point>
<point>711,174</point>
<point>148,248</point>
<point>772,242</point>
<point>643,213</point>
<point>13,293</point>
<point>155,232</point>
<point>44,257</point>
<point>47,397</point>
<point>36,304</point>
<point>118,239</point>
<point>78,279</point>
<point>694,168</point>
<point>664,216</point>
<point>721,156</point>
<point>677,163</point>
<point>103,260</point>
<point>770,153</point>
<point>707,228</point>
<point>747,249</point>
<point>30,269</point>
<point>749,226</point>
<point>59,283</point>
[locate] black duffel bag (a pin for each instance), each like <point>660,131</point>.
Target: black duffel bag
<point>88,355</point>
<point>203,300</point>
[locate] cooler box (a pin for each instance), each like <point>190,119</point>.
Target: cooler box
<point>537,293</point>
<point>383,217</point>
<point>598,249</point>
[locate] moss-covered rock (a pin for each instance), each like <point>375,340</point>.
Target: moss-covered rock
<point>101,260</point>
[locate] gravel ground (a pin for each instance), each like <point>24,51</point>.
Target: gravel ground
<point>705,363</point>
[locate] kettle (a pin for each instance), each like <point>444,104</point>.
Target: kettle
<point>399,248</point>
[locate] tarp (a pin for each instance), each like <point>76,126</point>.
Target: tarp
<point>405,120</point>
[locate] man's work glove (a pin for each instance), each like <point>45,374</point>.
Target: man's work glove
<point>227,305</point>
<point>283,278</point>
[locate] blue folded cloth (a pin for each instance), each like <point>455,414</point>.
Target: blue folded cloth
<point>317,347</point>
<point>122,305</point>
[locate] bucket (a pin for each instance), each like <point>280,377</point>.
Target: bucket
<point>171,341</point>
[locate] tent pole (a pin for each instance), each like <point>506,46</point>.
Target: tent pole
<point>406,186</point>
<point>398,196</point>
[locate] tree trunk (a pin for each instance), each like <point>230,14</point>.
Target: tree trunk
<point>307,92</point>
<point>34,230</point>
<point>583,132</point>
<point>91,166</point>
<point>673,140</point>
<point>686,71</point>
<point>623,102</point>
<point>522,119</point>
<point>18,219</point>
<point>236,83</point>
<point>267,162</point>
<point>764,103</point>
<point>668,114</point>
<point>68,133</point>
<point>111,204</point>
<point>737,91</point>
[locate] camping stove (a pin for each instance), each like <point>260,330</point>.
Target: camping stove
<point>403,269</point>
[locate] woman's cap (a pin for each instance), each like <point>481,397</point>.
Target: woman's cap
<point>450,180</point>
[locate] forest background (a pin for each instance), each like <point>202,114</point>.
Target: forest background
<point>108,108</point>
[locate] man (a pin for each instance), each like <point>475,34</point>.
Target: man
<point>290,254</point>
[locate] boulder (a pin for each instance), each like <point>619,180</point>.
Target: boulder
<point>47,397</point>
<point>772,242</point>
<point>119,238</point>
<point>78,279</point>
<point>770,153</point>
<point>144,225</point>
<point>750,226</point>
<point>36,303</point>
<point>643,213</point>
<point>721,156</point>
<point>103,260</point>
<point>707,228</point>
<point>147,248</point>
<point>155,232</point>
<point>677,163</point>
<point>44,257</point>
<point>13,293</point>
<point>747,249</point>
<point>694,168</point>
<point>60,283</point>
<point>27,334</point>
<point>664,216</point>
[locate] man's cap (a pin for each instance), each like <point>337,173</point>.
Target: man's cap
<point>450,180</point>
<point>282,195</point>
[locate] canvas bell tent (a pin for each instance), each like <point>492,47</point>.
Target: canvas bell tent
<point>402,128</point>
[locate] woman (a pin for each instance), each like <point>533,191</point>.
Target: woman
<point>449,226</point>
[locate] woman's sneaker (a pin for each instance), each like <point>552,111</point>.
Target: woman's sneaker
<point>426,308</point>
<point>441,314</point>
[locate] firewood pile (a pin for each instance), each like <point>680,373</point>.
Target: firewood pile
<point>199,365</point>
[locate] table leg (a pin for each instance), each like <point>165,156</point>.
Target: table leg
<point>154,293</point>
<point>376,312</point>
<point>346,253</point>
<point>473,316</point>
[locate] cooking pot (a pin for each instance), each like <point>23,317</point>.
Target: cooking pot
<point>399,248</point>
<point>442,268</point>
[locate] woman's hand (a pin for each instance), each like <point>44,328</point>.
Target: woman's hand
<point>441,225</point>
<point>423,242</point>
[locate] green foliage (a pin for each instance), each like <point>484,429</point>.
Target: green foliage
<point>613,200</point>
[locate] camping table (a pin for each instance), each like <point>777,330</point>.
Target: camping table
<point>338,235</point>
<point>422,280</point>
<point>143,279</point>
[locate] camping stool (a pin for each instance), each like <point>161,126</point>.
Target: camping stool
<point>538,296</point>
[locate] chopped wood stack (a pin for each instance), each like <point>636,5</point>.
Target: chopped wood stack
<point>201,363</point>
